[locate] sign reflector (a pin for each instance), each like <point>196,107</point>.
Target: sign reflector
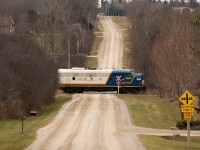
<point>118,78</point>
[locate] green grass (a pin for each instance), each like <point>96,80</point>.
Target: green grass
<point>92,62</point>
<point>152,111</point>
<point>98,34</point>
<point>95,46</point>
<point>10,130</point>
<point>168,143</point>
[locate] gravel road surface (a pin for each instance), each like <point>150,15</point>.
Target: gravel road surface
<point>88,122</point>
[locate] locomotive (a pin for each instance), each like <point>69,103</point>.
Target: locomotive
<point>78,80</point>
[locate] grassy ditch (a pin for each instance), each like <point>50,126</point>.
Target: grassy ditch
<point>168,143</point>
<point>10,130</point>
<point>152,111</point>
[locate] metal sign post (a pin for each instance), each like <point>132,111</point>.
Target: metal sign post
<point>118,83</point>
<point>187,98</point>
<point>118,89</point>
<point>188,132</point>
<point>118,80</point>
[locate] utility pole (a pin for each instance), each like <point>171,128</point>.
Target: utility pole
<point>77,45</point>
<point>188,133</point>
<point>68,42</point>
<point>22,124</point>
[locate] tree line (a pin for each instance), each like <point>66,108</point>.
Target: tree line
<point>45,32</point>
<point>114,8</point>
<point>163,42</point>
<point>119,7</point>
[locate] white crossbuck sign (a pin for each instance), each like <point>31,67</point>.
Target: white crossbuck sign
<point>118,78</point>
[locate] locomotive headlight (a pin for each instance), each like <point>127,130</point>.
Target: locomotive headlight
<point>138,79</point>
<point>143,82</point>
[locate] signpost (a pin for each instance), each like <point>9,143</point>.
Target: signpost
<point>118,80</point>
<point>187,98</point>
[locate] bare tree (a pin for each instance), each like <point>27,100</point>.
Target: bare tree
<point>196,21</point>
<point>175,65</point>
<point>28,77</point>
<point>145,29</point>
<point>162,41</point>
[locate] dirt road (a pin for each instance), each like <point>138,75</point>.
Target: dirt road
<point>111,51</point>
<point>90,122</point>
<point>93,121</point>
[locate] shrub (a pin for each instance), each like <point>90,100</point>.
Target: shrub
<point>183,124</point>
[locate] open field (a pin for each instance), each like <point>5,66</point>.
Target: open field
<point>152,111</point>
<point>10,130</point>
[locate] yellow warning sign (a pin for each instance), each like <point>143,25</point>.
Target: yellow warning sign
<point>187,116</point>
<point>187,98</point>
<point>187,108</point>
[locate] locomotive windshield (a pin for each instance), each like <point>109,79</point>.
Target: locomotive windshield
<point>128,76</point>
<point>133,72</point>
